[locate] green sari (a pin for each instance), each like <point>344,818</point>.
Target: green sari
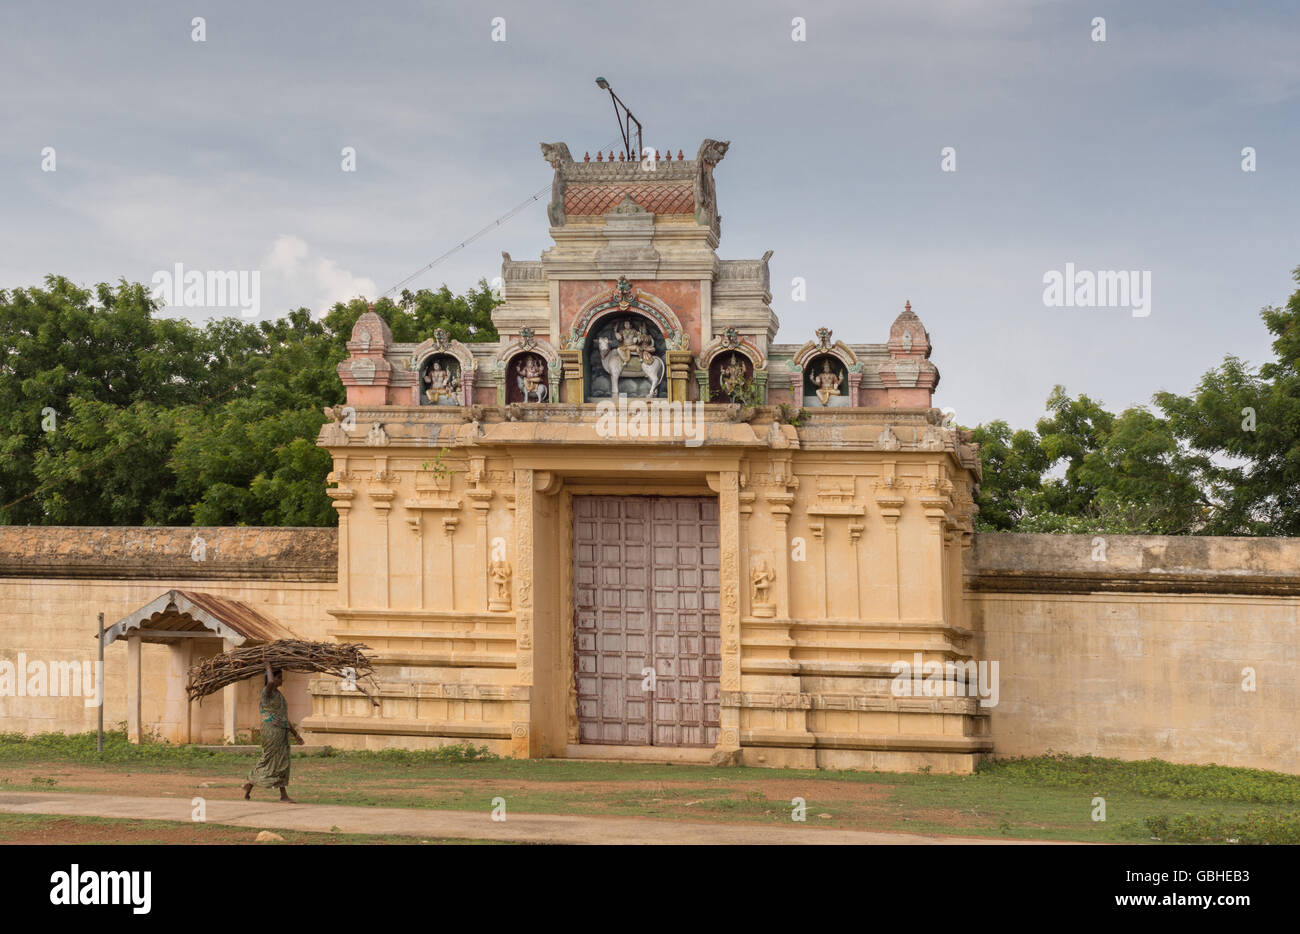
<point>272,770</point>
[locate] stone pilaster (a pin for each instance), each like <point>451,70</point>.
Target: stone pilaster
<point>571,361</point>
<point>341,499</point>
<point>520,728</point>
<point>727,485</point>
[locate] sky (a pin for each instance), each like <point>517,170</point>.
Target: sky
<point>1122,154</point>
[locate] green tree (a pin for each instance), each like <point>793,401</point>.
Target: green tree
<point>62,344</point>
<point>113,416</point>
<point>1246,425</point>
<point>1013,463</point>
<point>109,464</point>
<point>1124,474</point>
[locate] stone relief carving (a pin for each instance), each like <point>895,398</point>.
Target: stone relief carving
<point>335,431</point>
<point>557,154</point>
<point>932,439</point>
<point>761,577</point>
<point>377,436</point>
<point>706,209</point>
<point>827,382</point>
<point>499,577</point>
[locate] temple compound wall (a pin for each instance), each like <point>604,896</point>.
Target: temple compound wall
<point>1181,649</point>
<point>1147,653</point>
<point>55,581</point>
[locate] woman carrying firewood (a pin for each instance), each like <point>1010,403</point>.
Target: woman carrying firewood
<point>272,770</point>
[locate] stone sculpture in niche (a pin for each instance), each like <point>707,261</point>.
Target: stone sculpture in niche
<point>531,378</point>
<point>827,382</point>
<point>499,577</point>
<point>630,351</point>
<point>761,576</point>
<point>731,379</point>
<point>441,383</point>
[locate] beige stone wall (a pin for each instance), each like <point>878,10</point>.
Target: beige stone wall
<point>1138,647</point>
<point>54,582</point>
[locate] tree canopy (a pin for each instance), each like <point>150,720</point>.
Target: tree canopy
<point>113,415</point>
<point>1224,460</point>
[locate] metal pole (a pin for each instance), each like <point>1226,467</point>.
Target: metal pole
<point>99,744</point>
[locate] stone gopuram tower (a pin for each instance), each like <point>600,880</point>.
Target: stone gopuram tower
<point>638,527</point>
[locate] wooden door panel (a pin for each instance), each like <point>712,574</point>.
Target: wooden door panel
<point>646,597</point>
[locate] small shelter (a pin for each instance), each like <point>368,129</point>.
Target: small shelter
<point>193,626</point>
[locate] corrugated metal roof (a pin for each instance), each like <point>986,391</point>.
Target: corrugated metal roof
<point>190,611</point>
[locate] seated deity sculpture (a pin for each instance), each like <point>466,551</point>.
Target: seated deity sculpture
<point>629,351</point>
<point>827,383</point>
<point>531,379</point>
<point>439,383</point>
<point>634,342</point>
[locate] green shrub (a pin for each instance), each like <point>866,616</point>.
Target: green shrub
<point>1152,777</point>
<point>1254,827</point>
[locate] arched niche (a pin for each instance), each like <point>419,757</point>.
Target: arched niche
<point>445,372</point>
<point>825,382</point>
<point>527,378</point>
<point>527,361</point>
<point>826,374</point>
<point>627,346</point>
<point>441,380</point>
<point>621,299</point>
<point>728,373</point>
<point>726,351</point>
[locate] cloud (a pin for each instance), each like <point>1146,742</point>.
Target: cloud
<point>295,278</point>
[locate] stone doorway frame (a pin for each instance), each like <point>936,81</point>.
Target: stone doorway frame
<point>544,723</point>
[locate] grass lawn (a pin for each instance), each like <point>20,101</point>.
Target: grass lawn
<point>1048,797</point>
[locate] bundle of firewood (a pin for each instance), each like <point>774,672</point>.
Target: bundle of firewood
<point>346,660</point>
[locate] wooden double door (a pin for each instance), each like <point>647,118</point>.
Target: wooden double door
<point>647,642</point>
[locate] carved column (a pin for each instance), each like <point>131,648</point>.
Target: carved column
<point>889,501</point>
<point>520,730</point>
<point>381,495</point>
<point>341,497</point>
<point>449,524</point>
<point>817,526</point>
<point>571,362</point>
<point>779,501</point>
<point>415,520</point>
<point>679,375</point>
<point>480,497</point>
<point>855,384</point>
<point>433,495</point>
<point>937,503</point>
<point>727,485</point>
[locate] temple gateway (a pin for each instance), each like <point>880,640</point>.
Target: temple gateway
<point>727,571</point>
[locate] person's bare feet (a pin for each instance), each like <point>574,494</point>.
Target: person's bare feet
<point>248,790</point>
<point>285,799</point>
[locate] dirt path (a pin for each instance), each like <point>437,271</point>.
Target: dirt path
<point>519,828</point>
